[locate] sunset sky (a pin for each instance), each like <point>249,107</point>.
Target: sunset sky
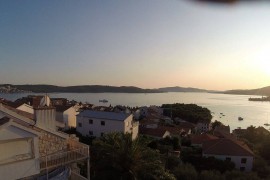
<point>144,43</point>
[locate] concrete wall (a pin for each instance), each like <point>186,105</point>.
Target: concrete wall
<point>19,169</point>
<point>236,160</point>
<point>19,153</point>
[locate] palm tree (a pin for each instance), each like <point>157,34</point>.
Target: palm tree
<point>117,156</point>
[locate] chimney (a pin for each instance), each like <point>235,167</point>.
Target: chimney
<point>45,115</point>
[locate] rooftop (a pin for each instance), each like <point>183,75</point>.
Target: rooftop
<point>226,146</point>
<point>104,115</point>
<point>156,132</point>
<point>199,139</point>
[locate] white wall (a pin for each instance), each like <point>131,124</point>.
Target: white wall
<point>19,153</point>
<point>236,160</point>
<point>110,126</point>
<point>97,128</point>
<point>69,117</point>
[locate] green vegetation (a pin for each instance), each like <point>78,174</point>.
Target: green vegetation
<point>258,140</point>
<point>116,156</point>
<point>189,112</point>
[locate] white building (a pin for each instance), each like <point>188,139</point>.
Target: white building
<point>31,147</point>
<point>66,115</point>
<point>230,150</point>
<point>96,123</point>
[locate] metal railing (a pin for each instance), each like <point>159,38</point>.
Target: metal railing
<point>76,152</point>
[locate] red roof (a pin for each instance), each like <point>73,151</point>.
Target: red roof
<point>156,132</point>
<point>199,139</point>
<point>226,146</point>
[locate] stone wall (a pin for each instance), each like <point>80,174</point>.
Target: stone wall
<point>50,143</point>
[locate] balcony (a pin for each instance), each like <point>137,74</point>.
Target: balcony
<point>76,152</point>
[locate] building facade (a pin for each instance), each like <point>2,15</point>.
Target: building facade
<point>96,123</point>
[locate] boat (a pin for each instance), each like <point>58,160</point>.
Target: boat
<point>266,124</point>
<point>103,100</point>
<point>240,118</point>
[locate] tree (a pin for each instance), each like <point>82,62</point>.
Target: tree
<point>185,172</point>
<point>117,156</point>
<point>216,123</point>
<point>211,175</point>
<point>238,175</point>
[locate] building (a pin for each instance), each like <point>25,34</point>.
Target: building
<point>31,146</point>
<point>96,123</point>
<point>238,133</point>
<point>59,101</point>
<point>231,150</point>
<point>66,115</point>
<point>203,127</point>
<point>197,140</point>
<point>157,133</point>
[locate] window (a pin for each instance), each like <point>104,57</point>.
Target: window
<point>91,133</point>
<point>80,124</point>
<point>101,134</point>
<point>242,168</point>
<point>102,123</point>
<point>228,159</point>
<point>244,160</point>
<point>90,121</point>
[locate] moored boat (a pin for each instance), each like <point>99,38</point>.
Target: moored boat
<point>103,100</point>
<point>240,118</point>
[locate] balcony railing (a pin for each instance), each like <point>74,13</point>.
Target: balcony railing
<point>76,152</point>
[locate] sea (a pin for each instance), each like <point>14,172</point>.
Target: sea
<point>224,107</point>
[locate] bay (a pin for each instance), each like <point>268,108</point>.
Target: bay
<point>224,107</point>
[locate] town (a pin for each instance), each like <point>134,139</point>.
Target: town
<point>43,137</point>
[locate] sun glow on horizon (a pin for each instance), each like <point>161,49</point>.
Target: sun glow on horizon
<point>262,62</point>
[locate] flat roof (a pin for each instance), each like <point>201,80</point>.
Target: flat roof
<point>104,115</point>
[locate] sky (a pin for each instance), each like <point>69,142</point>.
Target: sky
<point>143,43</point>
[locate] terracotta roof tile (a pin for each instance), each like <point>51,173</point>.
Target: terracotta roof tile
<point>199,139</point>
<point>226,146</point>
<point>157,132</point>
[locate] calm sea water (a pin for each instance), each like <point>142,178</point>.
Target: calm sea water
<point>231,106</point>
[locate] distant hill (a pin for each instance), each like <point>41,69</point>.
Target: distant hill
<point>265,91</point>
<point>181,89</point>
<point>80,89</point>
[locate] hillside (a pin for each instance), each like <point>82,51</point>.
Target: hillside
<point>265,91</point>
<point>181,89</point>
<point>80,89</point>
